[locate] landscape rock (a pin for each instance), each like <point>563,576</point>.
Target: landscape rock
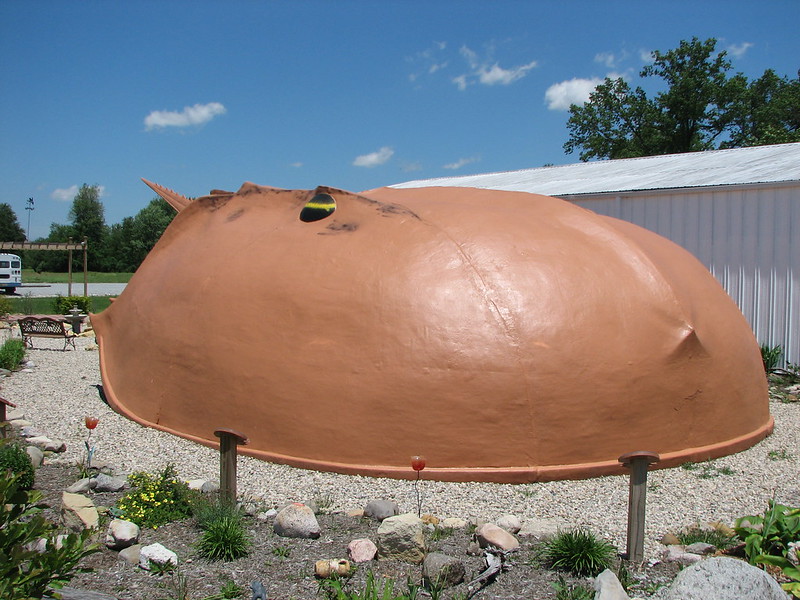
<point>78,512</point>
<point>678,554</point>
<point>453,523</point>
<point>81,486</point>
<point>296,521</point>
<point>510,523</point>
<point>158,554</point>
<point>106,483</point>
<point>70,593</point>
<point>37,456</point>
<point>46,444</point>
<point>361,550</point>
<point>670,539</point>
<point>381,509</point>
<point>490,534</point>
<point>722,578</point>
<point>209,487</point>
<point>400,537</point>
<point>430,519</point>
<point>538,528</point>
<point>40,545</point>
<point>356,513</point>
<point>701,548</point>
<point>122,534</point>
<point>442,571</point>
<point>29,431</point>
<point>131,554</point>
<point>608,587</point>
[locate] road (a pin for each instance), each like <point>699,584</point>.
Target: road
<point>55,289</point>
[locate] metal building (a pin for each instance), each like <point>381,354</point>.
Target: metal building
<point>737,211</point>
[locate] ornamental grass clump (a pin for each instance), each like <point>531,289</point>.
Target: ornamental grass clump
<point>156,499</point>
<point>578,551</point>
<point>12,353</point>
<point>224,536</point>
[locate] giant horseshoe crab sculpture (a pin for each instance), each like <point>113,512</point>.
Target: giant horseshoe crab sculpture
<point>509,337</point>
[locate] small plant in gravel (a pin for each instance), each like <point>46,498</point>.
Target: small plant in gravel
<point>779,454</point>
<point>337,589</point>
<point>281,552</point>
<point>156,499</point>
<point>12,353</point>
<point>24,571</point>
<point>578,551</point>
<point>224,536</point>
<point>571,591</point>
<point>718,538</point>
<point>13,458</point>
<point>771,356</point>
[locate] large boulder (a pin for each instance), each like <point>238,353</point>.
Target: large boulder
<point>401,538</point>
<point>722,578</point>
<point>78,512</point>
<point>296,521</point>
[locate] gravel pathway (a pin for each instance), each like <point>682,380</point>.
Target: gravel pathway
<point>61,387</point>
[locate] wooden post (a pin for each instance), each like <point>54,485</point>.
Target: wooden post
<point>637,500</point>
<point>229,439</point>
<point>3,404</point>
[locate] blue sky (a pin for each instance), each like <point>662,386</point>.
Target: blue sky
<point>353,94</point>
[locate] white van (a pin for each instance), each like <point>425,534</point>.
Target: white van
<point>10,273</point>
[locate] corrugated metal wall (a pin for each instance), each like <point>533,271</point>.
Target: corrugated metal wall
<point>748,237</point>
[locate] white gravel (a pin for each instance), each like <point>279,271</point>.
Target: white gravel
<point>60,389</point>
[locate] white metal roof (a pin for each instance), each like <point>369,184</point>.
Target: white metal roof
<point>758,164</point>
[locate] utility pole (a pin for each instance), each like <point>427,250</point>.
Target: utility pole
<point>29,208</point>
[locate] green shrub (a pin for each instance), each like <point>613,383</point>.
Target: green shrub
<point>578,551</point>
<point>25,572</point>
<point>5,306</point>
<point>224,538</point>
<point>63,304</point>
<point>14,458</point>
<point>12,353</point>
<point>156,499</point>
<point>769,538</point>
<point>771,356</point>
<point>571,591</point>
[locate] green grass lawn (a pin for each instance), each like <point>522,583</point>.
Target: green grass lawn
<point>46,306</point>
<point>31,276</point>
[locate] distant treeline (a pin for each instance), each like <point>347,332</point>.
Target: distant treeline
<point>117,248</point>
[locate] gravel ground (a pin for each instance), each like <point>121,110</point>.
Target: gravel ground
<point>61,387</point>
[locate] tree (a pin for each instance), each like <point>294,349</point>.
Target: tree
<point>128,242</point>
<point>10,229</point>
<point>702,108</point>
<point>87,217</point>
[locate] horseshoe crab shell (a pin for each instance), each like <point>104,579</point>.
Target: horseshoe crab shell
<point>506,336</point>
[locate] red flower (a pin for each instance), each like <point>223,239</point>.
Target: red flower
<point>418,463</point>
<point>91,422</point>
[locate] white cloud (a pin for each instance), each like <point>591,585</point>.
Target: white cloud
<point>296,165</point>
<point>190,115</point>
<point>410,167</point>
<point>460,163</point>
<point>739,50</point>
<point>646,56</point>
<point>488,72</point>
<point>560,96</point>
<point>611,60</point>
<point>374,159</point>
<point>68,194</point>
<point>65,194</point>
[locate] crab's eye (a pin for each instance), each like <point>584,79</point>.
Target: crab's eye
<point>319,207</point>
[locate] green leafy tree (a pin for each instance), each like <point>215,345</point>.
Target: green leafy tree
<point>701,108</point>
<point>87,217</point>
<point>10,229</point>
<point>129,242</point>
